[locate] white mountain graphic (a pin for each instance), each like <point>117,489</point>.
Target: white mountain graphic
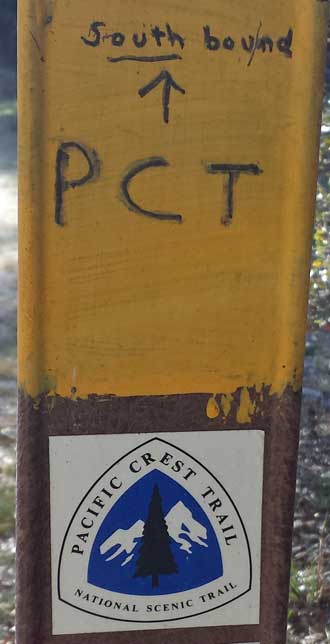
<point>181,524</point>
<point>182,527</point>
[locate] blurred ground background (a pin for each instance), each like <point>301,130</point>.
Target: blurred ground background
<point>8,261</point>
<point>309,612</point>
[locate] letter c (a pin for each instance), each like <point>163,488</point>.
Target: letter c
<point>132,468</point>
<point>114,485</point>
<point>133,170</point>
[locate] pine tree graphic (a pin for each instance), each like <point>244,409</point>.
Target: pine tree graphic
<point>155,556</point>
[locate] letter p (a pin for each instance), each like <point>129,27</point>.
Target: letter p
<point>62,163</point>
<point>75,549</point>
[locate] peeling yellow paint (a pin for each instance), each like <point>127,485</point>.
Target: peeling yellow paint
<point>246,407</point>
<point>212,409</point>
<point>226,403</point>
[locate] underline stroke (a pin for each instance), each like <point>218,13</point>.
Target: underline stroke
<point>144,59</point>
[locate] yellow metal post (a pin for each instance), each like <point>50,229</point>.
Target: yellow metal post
<point>168,159</point>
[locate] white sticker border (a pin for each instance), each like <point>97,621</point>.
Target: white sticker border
<point>95,446</point>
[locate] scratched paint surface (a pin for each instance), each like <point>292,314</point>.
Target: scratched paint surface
<point>220,134</point>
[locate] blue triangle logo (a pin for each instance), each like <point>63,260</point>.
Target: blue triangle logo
<point>156,540</point>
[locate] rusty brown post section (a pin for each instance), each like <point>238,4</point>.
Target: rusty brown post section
<point>168,159</point>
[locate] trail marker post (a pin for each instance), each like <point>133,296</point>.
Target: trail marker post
<point>168,158</point>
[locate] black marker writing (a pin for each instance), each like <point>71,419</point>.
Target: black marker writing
<point>213,43</point>
<point>251,44</point>
<point>233,170</point>
<point>136,168</point>
<point>284,44</point>
<point>169,83</point>
<point>157,37</point>
<point>94,29</point>
<point>62,163</point>
<point>174,37</point>
<point>67,154</point>
<point>140,42</point>
<point>144,59</point>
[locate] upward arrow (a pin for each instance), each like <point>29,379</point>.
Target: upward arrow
<point>168,81</point>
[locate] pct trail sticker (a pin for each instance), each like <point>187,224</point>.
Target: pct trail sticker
<point>155,530</point>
